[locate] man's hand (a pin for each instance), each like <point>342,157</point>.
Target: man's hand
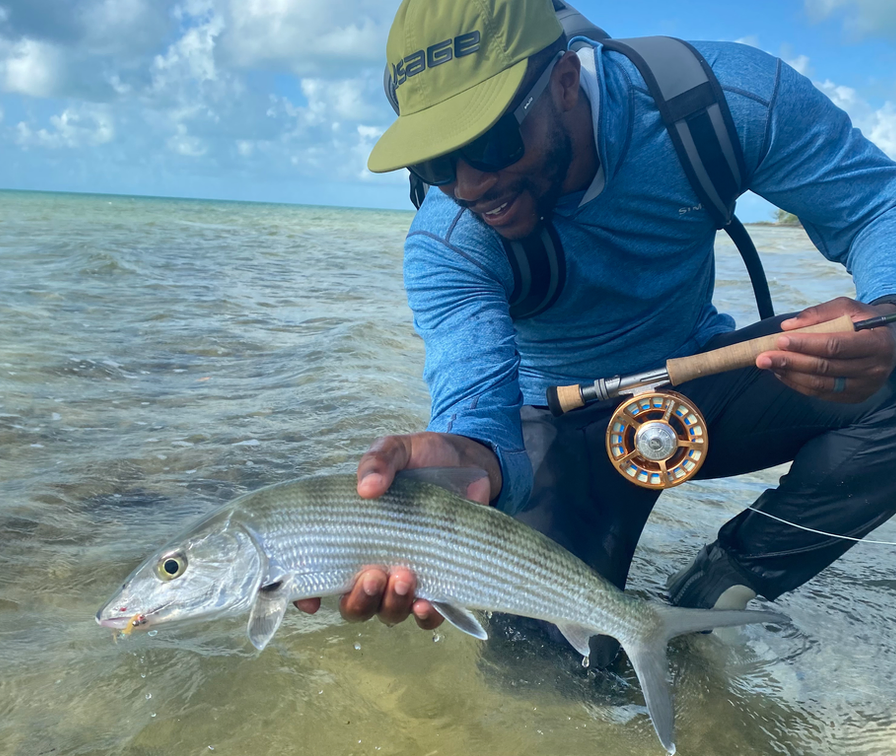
<point>846,367</point>
<point>391,596</point>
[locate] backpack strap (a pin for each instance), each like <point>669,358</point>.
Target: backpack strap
<point>738,234</point>
<point>539,271</point>
<point>696,115</point>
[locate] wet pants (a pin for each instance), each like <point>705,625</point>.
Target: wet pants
<point>842,478</point>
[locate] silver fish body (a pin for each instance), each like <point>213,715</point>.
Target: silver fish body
<point>311,537</point>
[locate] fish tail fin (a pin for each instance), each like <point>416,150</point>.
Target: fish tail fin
<point>648,657</point>
<point>647,654</point>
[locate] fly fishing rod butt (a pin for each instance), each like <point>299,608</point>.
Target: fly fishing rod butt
<point>562,399</point>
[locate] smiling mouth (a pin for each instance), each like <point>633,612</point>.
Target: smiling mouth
<point>500,215</point>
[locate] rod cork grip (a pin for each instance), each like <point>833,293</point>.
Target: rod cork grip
<point>743,354</point>
<point>562,399</point>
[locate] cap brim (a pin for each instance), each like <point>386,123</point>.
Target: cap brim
<point>445,127</point>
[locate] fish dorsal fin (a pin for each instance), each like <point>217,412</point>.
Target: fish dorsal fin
<point>267,612</point>
<point>578,637</point>
<point>454,479</point>
<point>461,618</point>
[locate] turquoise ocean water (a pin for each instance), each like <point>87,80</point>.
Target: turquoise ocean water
<point>159,356</point>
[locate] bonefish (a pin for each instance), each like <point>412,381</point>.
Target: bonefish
<point>311,537</point>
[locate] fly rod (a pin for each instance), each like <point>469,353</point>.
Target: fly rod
<point>562,399</point>
<point>657,438</point>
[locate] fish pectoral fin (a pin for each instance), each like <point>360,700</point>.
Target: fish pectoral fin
<point>578,637</point>
<point>267,613</point>
<point>461,617</point>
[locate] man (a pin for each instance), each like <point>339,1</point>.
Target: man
<point>588,149</point>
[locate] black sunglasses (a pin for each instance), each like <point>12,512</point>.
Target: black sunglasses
<point>500,146</point>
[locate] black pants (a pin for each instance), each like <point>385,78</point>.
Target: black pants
<point>842,480</point>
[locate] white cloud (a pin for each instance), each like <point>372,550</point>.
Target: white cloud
<point>184,144</point>
<point>861,17</point>
<point>879,125</point>
<point>752,40</point>
<point>313,38</point>
<point>74,128</point>
<point>30,67</point>
<point>189,59</point>
<point>801,64</point>
<point>882,129</point>
<point>118,26</point>
<point>367,136</point>
<point>339,100</point>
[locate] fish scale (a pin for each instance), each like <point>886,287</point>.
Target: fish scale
<point>311,537</point>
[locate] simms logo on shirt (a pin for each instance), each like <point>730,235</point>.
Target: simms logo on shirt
<point>434,55</point>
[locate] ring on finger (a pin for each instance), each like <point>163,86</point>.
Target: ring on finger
<point>839,385</point>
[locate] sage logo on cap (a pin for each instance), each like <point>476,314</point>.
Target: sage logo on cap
<point>435,55</point>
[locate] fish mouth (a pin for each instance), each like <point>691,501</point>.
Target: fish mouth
<point>117,623</point>
<point>123,621</point>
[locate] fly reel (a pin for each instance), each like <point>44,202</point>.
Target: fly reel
<point>657,439</point>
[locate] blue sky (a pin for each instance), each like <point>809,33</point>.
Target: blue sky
<point>281,100</point>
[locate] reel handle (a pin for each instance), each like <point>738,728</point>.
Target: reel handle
<point>742,354</point>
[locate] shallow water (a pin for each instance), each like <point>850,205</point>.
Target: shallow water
<point>158,357</point>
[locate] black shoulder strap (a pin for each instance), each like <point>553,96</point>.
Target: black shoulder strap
<point>539,271</point>
<point>696,115</point>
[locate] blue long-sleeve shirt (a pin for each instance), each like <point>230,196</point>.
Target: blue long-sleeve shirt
<point>639,254</point>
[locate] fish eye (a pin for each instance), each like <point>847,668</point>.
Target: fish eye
<point>171,566</point>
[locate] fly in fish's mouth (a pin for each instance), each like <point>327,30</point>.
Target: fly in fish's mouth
<point>126,620</point>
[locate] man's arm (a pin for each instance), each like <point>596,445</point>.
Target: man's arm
<point>843,189</point>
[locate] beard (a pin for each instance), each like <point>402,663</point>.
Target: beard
<point>545,182</point>
<point>557,162</point>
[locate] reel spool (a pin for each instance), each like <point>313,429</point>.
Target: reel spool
<point>657,439</point>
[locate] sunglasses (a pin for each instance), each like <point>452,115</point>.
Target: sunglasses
<point>500,146</point>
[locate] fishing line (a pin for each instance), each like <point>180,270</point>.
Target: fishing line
<point>821,532</point>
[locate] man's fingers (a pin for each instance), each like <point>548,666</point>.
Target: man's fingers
<point>398,597</point>
<point>844,346</point>
<point>378,465</point>
<point>480,490</point>
<point>822,313</point>
<point>309,606</point>
<point>796,362</point>
<point>425,615</point>
<point>365,597</point>
<point>390,597</point>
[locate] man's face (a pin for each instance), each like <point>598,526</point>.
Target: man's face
<point>514,199</point>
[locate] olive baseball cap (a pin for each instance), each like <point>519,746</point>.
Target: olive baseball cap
<point>455,66</point>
